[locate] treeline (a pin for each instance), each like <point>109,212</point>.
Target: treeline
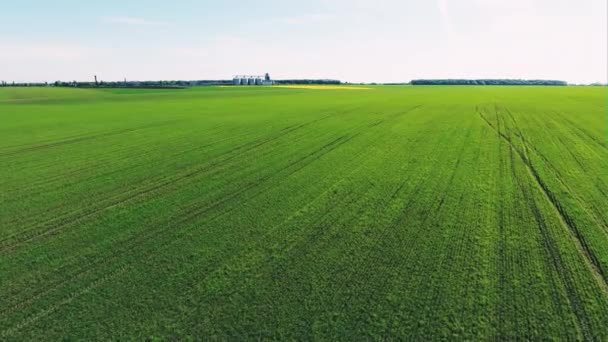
<point>323,81</point>
<point>503,82</point>
<point>18,84</point>
<point>120,84</point>
<point>177,84</point>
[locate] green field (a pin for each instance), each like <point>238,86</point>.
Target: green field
<point>304,214</point>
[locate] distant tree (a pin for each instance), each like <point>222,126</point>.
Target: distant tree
<point>488,82</point>
<point>309,81</point>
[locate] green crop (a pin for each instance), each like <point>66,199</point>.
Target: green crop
<point>392,213</point>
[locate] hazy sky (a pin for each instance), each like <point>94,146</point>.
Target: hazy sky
<point>350,40</point>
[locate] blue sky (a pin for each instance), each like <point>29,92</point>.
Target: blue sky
<point>350,40</point>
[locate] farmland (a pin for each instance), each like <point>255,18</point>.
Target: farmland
<point>294,213</point>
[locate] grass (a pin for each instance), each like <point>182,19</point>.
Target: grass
<point>273,213</point>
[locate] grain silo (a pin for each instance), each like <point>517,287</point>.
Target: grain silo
<point>243,80</point>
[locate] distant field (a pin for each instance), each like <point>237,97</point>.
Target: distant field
<point>323,87</point>
<point>298,214</point>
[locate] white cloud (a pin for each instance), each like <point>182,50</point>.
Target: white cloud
<point>306,19</point>
<point>189,52</point>
<point>20,51</point>
<point>500,6</point>
<point>444,11</point>
<point>132,21</point>
<point>442,5</point>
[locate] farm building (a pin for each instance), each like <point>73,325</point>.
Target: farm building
<point>252,80</point>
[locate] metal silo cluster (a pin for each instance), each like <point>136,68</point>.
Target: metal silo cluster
<point>242,80</point>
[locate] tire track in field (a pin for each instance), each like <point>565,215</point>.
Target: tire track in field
<point>502,264</point>
<point>435,270</point>
<point>256,265</point>
<point>116,171</point>
<point>558,265</point>
<point>189,216</point>
<point>109,160</point>
<point>49,183</point>
<point>41,184</point>
<point>581,132</point>
<point>343,140</point>
<point>380,242</point>
<point>154,249</point>
<point>325,149</point>
<point>593,214</point>
<point>555,264</point>
<point>52,227</point>
<point>134,194</point>
<point>296,245</point>
<point>295,166</point>
<point>75,140</point>
<point>507,166</point>
<point>458,240</point>
<point>565,218</point>
<point>116,200</point>
<point>309,158</point>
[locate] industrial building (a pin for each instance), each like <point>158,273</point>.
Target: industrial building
<point>241,80</point>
